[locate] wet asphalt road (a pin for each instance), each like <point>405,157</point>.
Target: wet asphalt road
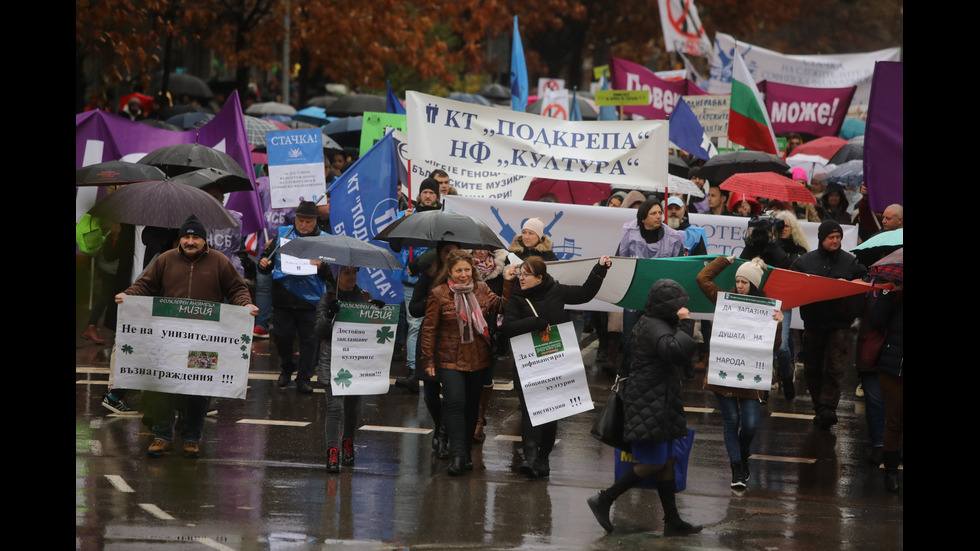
<point>261,481</point>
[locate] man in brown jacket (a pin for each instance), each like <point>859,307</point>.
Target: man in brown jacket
<point>192,270</point>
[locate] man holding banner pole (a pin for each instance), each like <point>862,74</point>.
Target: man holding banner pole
<point>194,271</point>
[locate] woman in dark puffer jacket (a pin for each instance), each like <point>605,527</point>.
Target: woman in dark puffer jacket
<point>653,411</point>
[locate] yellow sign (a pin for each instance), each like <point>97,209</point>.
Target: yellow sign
<point>622,97</point>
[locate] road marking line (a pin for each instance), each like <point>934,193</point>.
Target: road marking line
<point>213,544</point>
<point>274,422</point>
<point>700,410</point>
<point>118,483</point>
<point>804,416</point>
<point>517,438</point>
<point>409,430</point>
<point>95,447</point>
<point>783,459</point>
<point>156,511</point>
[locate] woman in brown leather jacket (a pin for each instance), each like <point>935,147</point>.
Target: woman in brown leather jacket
<point>455,345</point>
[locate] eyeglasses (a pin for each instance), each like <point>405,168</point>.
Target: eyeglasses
<point>525,275</point>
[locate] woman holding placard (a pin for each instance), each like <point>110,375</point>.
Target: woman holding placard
<point>739,406</point>
<point>455,344</point>
<point>538,305</point>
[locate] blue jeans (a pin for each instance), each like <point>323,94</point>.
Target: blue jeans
<point>785,354</point>
<point>414,325</point>
<point>263,299</point>
<point>740,419</point>
<point>874,407</point>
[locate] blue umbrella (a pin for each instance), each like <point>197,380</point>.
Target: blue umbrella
<point>849,174</point>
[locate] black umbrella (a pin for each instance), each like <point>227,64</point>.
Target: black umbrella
<point>356,104</point>
<point>188,85</point>
<point>426,229</point>
<point>341,250</point>
<point>188,157</point>
<point>205,177</point>
<point>164,204</point>
<point>495,91</point>
<point>849,152</point>
<point>116,172</point>
<point>677,166</point>
<point>345,131</point>
<point>720,167</point>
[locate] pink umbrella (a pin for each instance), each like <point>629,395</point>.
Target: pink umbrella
<point>819,150</point>
<point>568,191</point>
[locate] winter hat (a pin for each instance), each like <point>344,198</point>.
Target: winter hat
<point>799,173</point>
<point>306,208</point>
<point>826,228</point>
<point>535,225</point>
<point>193,226</point>
<point>430,184</point>
<point>633,197</point>
<point>752,271</point>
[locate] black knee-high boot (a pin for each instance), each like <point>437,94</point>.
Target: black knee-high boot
<point>673,525</point>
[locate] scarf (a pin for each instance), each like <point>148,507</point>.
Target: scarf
<point>468,310</point>
<point>485,267</point>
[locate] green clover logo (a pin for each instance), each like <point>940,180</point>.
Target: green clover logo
<point>723,375</point>
<point>385,334</point>
<point>757,379</point>
<point>127,349</point>
<point>246,338</point>
<point>740,376</point>
<point>244,355</point>
<point>343,378</point>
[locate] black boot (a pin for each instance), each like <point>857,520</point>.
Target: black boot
<point>891,471</point>
<point>458,466</point>
<point>673,525</point>
<point>410,383</point>
<point>530,458</point>
<point>600,504</point>
<point>745,468</point>
<point>442,443</point>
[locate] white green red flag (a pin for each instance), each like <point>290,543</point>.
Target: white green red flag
<point>748,122</point>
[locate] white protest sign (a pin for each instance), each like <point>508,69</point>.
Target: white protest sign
<point>473,137</point>
<point>292,265</point>
<point>183,346</point>
<point>361,349</point>
<point>295,167</point>
<point>552,374</point>
<point>742,338</point>
<point>554,104</point>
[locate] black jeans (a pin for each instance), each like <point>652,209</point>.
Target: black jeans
<point>461,392</point>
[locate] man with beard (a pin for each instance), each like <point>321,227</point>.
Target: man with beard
<point>194,271</point>
<point>695,239</point>
<point>825,323</point>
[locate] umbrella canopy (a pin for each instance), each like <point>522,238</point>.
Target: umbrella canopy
<point>720,167</point>
<point>849,174</point>
<point>187,157</point>
<point>190,120</point>
<point>819,150</point>
<point>321,101</point>
<point>264,108</point>
<point>184,84</point>
<point>155,123</point>
<point>357,104</point>
<point>891,267</point>
<point>205,177</point>
<point>767,184</point>
<point>256,128</point>
<point>312,115</point>
<point>342,250</point>
<point>427,229</point>
<point>164,204</point>
<point>568,191</point>
<point>116,172</point>
<point>495,91</point>
<point>345,131</point>
<point>884,239</point>
<point>677,166</point>
<point>676,184</point>
<point>849,152</point>
<point>168,112</point>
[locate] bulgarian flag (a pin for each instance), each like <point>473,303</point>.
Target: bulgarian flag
<point>748,122</point>
<point>628,281</point>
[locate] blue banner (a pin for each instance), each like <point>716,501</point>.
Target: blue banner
<point>363,201</point>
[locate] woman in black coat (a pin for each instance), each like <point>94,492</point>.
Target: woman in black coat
<point>653,412</point>
<point>538,305</point>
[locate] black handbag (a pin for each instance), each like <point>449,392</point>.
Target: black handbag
<point>609,426</point>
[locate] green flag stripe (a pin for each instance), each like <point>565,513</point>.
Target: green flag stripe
<point>744,102</point>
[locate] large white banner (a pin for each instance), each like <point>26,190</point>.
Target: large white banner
<point>742,338</point>
<point>469,183</point>
<point>361,349</point>
<point>552,374</point>
<point>726,234</point>
<point>295,167</point>
<point>477,138</point>
<point>811,71</point>
<point>183,346</point>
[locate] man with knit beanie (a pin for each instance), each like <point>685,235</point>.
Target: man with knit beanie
<point>825,323</point>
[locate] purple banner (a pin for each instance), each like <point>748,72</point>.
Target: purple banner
<point>664,94</point>
<point>818,111</point>
<point>883,137</point>
<point>101,137</point>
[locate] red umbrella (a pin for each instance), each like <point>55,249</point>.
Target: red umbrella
<point>768,184</point>
<point>819,150</point>
<point>568,191</point>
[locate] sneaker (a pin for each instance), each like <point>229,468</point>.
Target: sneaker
<point>260,333</point>
<point>159,447</point>
<point>116,406</point>
<point>738,476</point>
<point>333,460</point>
<point>347,458</point>
<point>284,379</point>
<point>191,449</point>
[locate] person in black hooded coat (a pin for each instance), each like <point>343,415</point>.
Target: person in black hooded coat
<point>653,411</point>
